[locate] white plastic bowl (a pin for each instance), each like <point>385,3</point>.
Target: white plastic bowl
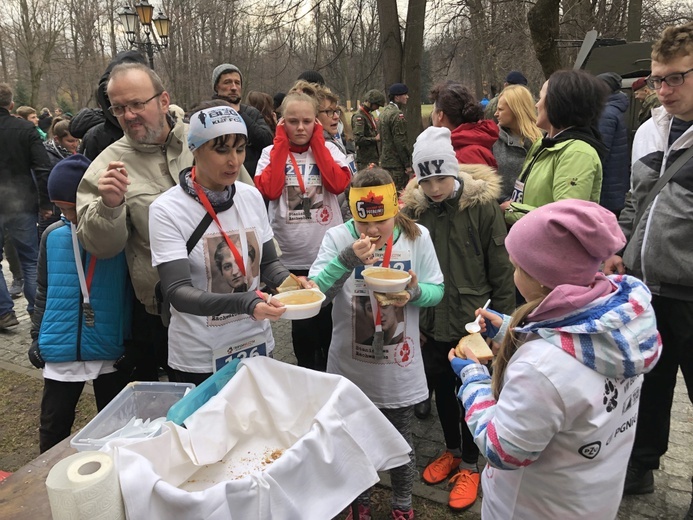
<point>301,311</point>
<point>385,285</point>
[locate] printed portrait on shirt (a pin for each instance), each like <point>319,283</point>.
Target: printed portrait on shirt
<point>391,318</point>
<point>305,206</point>
<point>223,272</point>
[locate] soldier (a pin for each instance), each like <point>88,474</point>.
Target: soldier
<point>365,129</point>
<point>647,97</point>
<point>514,77</point>
<point>395,154</point>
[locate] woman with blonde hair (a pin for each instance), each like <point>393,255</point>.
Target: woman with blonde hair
<point>517,125</point>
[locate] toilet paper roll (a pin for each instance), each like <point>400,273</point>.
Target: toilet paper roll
<point>85,486</point>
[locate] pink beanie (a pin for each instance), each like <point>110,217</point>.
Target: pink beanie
<point>564,242</point>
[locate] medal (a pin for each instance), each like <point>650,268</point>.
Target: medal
<point>84,280</point>
<point>88,312</point>
<point>306,207</point>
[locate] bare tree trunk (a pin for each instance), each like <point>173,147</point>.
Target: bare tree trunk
<point>390,41</point>
<point>476,18</point>
<point>634,20</point>
<point>3,57</point>
<point>411,66</point>
<point>544,29</point>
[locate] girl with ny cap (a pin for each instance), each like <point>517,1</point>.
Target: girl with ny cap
<point>217,311</point>
<point>389,372</point>
<point>556,421</point>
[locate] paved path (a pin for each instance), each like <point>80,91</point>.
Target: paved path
<point>672,482</point>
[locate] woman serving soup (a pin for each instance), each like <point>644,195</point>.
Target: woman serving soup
<point>217,310</point>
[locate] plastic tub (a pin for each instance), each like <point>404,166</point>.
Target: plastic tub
<point>144,400</point>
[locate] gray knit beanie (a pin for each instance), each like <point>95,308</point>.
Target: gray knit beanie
<point>223,69</point>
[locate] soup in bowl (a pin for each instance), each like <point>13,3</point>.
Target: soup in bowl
<point>385,279</point>
<point>301,304</point>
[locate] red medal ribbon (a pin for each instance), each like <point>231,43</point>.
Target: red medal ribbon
<point>90,272</point>
<point>299,177</point>
<point>386,263</point>
<point>208,206</point>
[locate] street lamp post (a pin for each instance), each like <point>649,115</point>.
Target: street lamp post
<point>140,15</point>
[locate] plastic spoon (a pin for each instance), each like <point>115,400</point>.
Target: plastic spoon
<point>474,327</point>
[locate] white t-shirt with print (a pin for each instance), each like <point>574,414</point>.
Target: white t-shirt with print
<point>398,380</point>
<point>194,340</point>
<point>299,237</point>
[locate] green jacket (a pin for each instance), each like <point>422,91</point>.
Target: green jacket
<point>468,234</point>
<point>395,152</point>
<point>364,128</point>
<point>569,169</point>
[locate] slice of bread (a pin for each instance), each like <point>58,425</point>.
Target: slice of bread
<point>391,298</point>
<point>292,283</point>
<point>477,345</point>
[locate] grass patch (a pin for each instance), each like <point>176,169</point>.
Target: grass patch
<point>21,409</point>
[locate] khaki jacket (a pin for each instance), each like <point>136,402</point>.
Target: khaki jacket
<point>104,231</point>
<point>468,234</point>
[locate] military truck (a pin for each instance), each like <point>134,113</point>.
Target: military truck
<point>630,60</point>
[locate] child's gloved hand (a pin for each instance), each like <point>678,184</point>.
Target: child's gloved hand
<point>458,364</point>
<point>35,355</point>
<point>490,322</point>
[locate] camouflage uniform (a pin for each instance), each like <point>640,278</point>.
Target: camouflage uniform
<point>364,128</point>
<point>491,108</point>
<point>651,101</point>
<point>395,155</point>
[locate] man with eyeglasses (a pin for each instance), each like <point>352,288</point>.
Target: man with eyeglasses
<point>227,82</point>
<point>114,195</point>
<point>660,246</point>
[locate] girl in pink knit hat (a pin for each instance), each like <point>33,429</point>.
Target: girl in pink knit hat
<point>556,421</point>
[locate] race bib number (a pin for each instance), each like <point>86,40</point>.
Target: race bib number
<point>243,349</point>
<point>518,192</point>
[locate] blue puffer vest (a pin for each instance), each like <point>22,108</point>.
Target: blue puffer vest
<point>64,336</point>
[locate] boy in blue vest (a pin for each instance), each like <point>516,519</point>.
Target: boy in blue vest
<point>82,313</point>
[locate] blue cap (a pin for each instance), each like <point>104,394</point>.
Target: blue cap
<point>213,122</point>
<point>64,178</point>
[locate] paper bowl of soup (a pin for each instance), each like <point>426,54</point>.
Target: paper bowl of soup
<point>385,279</point>
<point>301,304</point>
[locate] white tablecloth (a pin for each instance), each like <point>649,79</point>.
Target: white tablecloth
<point>333,440</point>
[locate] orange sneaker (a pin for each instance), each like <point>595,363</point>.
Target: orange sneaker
<point>465,489</point>
<point>440,469</point>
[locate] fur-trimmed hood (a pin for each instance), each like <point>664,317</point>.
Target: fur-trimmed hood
<point>479,184</point>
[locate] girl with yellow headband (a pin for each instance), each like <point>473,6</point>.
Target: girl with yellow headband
<point>389,371</point>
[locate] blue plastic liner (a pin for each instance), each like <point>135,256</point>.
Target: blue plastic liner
<point>184,408</point>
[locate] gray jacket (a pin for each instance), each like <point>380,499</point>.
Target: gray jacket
<point>510,153</point>
<point>660,248</point>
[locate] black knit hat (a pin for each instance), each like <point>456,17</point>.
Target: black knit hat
<point>65,177</point>
<point>312,76</point>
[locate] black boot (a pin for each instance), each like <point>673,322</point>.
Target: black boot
<point>423,409</point>
<point>639,481</point>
